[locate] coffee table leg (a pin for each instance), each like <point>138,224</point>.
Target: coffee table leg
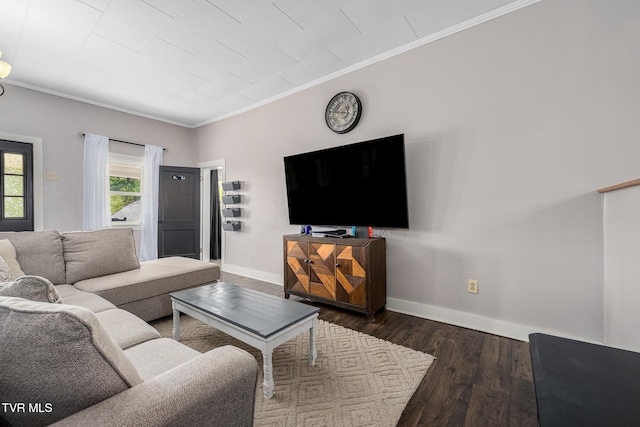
<point>176,325</point>
<point>267,385</point>
<point>312,343</point>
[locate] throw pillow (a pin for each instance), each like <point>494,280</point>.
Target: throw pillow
<point>8,254</point>
<point>5,271</point>
<point>34,288</point>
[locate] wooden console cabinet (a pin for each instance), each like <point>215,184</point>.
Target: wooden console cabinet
<point>348,273</point>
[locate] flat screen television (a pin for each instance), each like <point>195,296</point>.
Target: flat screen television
<point>362,184</point>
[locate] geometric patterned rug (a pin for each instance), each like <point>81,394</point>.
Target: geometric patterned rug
<point>358,380</point>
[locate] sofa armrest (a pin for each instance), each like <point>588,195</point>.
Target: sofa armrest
<point>217,389</point>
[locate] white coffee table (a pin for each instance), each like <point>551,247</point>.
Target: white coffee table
<point>260,320</point>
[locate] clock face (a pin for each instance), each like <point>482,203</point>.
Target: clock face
<point>343,112</point>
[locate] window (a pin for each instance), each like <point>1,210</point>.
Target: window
<point>125,189</point>
<point>16,186</point>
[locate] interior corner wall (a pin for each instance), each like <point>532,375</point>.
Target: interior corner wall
<point>58,120</point>
<point>510,128</point>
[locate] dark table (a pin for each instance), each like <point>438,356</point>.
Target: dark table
<point>584,384</point>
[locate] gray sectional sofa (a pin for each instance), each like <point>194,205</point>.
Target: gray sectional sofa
<point>70,355</point>
<point>104,262</point>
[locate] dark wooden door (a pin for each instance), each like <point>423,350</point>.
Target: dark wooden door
<point>179,212</point>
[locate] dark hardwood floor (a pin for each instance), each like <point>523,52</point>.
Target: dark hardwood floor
<point>477,379</point>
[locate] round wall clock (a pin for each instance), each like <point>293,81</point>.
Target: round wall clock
<point>343,112</point>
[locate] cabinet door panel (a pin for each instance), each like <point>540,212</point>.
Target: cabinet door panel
<point>350,275</point>
<point>297,273</point>
<point>322,270</point>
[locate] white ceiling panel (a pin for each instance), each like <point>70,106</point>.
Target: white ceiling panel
<point>160,58</point>
<point>103,53</point>
<point>135,80</point>
<point>180,82</point>
<point>367,15</point>
<point>319,37</point>
<point>225,85</point>
<point>267,88</point>
<point>234,102</point>
<point>38,74</point>
<point>69,21</point>
<point>100,5</point>
<point>198,26</point>
<point>194,61</point>
<point>240,10</point>
<point>132,23</point>
<point>308,12</point>
<point>47,51</point>
<point>11,22</point>
<point>170,7</point>
<point>260,31</point>
<point>376,41</point>
<point>313,69</point>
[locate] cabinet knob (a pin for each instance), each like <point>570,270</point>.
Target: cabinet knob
<point>337,265</point>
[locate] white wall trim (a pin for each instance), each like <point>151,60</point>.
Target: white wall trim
<point>38,175</point>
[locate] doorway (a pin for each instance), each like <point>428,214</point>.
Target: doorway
<point>208,170</point>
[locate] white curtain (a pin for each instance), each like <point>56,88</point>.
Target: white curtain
<point>151,179</point>
<point>95,212</point>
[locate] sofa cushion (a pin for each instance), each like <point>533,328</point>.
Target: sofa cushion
<point>34,288</point>
<point>155,357</point>
<point>57,354</point>
<point>9,257</point>
<point>91,301</point>
<point>125,329</point>
<point>153,278</point>
<point>98,253</point>
<point>39,253</point>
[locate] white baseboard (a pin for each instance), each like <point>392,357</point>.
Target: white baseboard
<point>253,274</point>
<point>461,318</point>
<point>473,321</point>
<point>431,312</point>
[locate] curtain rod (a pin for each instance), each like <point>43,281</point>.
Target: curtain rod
<point>124,142</point>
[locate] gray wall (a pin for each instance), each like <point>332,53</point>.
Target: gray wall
<point>510,126</point>
<point>58,120</point>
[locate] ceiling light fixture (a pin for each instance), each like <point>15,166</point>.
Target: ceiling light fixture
<point>5,68</point>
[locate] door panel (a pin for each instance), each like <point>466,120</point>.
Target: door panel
<point>297,273</point>
<point>179,212</point>
<point>350,275</point>
<point>322,270</point>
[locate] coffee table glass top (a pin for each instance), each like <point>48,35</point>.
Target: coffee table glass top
<point>257,312</point>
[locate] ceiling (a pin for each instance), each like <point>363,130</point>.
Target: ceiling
<point>191,62</point>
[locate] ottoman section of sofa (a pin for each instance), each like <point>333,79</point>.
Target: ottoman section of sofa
<point>154,279</point>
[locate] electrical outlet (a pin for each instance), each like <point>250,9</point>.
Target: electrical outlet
<point>51,176</point>
<point>472,286</point>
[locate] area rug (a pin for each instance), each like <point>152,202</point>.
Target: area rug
<point>358,380</point>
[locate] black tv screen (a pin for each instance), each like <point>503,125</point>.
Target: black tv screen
<point>362,184</point>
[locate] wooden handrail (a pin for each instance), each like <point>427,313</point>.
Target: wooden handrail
<point>620,186</point>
